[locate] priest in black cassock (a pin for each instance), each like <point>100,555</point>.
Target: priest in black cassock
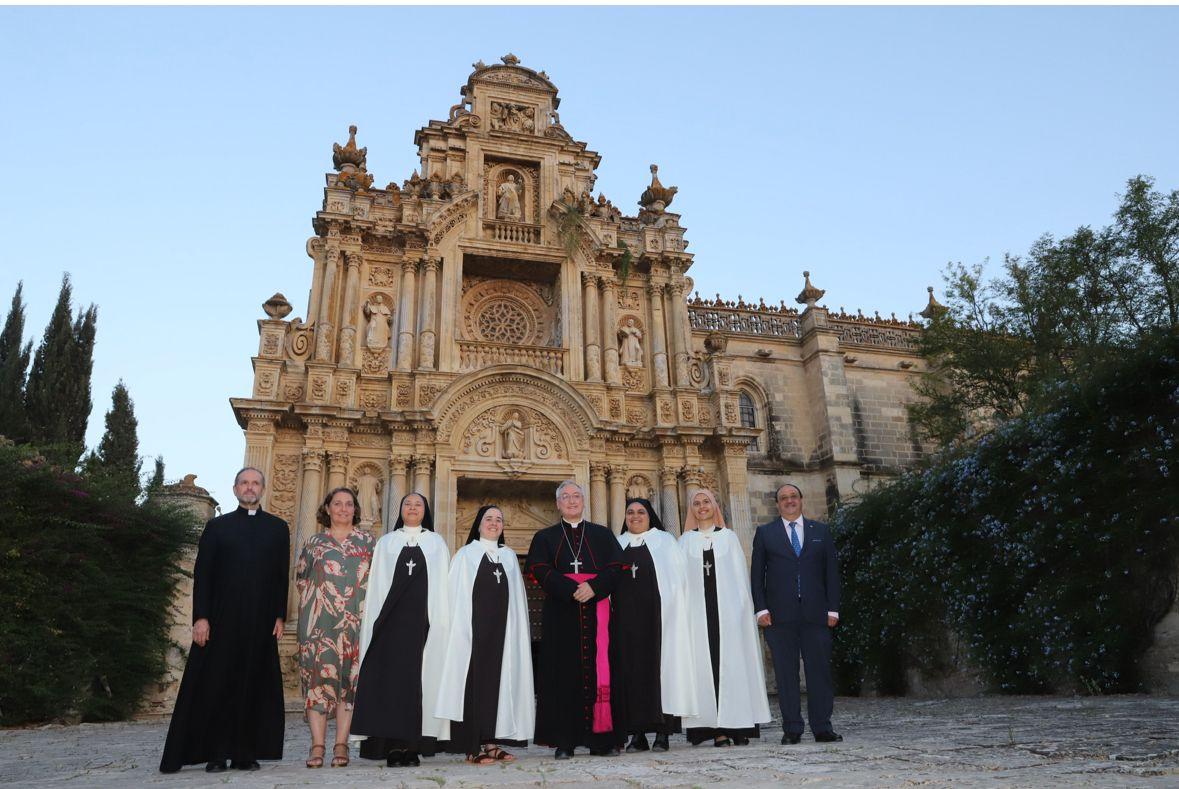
<point>230,704</point>
<point>576,563</point>
<point>403,638</point>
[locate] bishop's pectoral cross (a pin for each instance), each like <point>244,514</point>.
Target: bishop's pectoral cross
<point>634,569</point>
<point>576,564</point>
<point>708,568</point>
<point>410,565</point>
<point>497,575</point>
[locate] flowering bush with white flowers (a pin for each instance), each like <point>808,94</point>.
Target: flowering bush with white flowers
<point>1042,555</point>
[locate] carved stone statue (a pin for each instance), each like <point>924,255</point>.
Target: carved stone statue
<point>513,435</point>
<point>631,337</point>
<point>508,206</point>
<point>369,494</point>
<point>379,316</point>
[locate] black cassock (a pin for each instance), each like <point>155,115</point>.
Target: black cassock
<point>230,703</point>
<point>570,701</point>
<point>489,626</point>
<point>636,643</point>
<point>389,690</point>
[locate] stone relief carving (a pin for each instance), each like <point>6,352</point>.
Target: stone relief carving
<point>299,340</point>
<point>630,337</point>
<point>629,299</point>
<point>515,437</point>
<point>368,483</point>
<point>508,204</point>
<point>403,394</point>
<point>292,392</point>
<point>382,277</point>
<point>510,117</point>
<point>319,388</point>
<point>347,345</point>
<point>379,315</point>
<point>343,391</point>
<point>528,183</point>
<point>640,487</point>
<point>505,311</point>
<point>427,394</point>
<point>270,344</point>
<point>633,378</point>
<point>284,479</point>
<point>373,399</point>
<point>374,362</point>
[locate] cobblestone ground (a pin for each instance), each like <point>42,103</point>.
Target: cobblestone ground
<point>1015,741</point>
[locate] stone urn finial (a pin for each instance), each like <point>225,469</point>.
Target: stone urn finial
<point>277,307</point>
<point>933,309</point>
<point>348,155</point>
<point>810,294</point>
<point>657,197</point>
<point>510,60</point>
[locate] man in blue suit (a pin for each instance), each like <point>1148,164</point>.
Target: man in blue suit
<point>795,576</point>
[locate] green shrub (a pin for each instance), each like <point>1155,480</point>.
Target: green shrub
<point>1044,554</point>
<point>85,588</point>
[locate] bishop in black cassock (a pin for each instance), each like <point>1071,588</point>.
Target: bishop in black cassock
<point>577,564</point>
<point>230,703</point>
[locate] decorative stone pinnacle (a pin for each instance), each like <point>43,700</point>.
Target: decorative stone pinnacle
<point>478,65</point>
<point>657,197</point>
<point>349,154</point>
<point>810,294</point>
<point>933,309</point>
<point>510,60</point>
<point>277,307</point>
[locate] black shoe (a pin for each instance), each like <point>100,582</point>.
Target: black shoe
<point>215,767</point>
<point>637,743</point>
<point>611,751</point>
<point>828,736</point>
<point>660,743</point>
<point>411,759</point>
<point>722,742</point>
<point>791,739</point>
<point>249,766</point>
<point>740,741</point>
<point>563,753</point>
<point>395,758</point>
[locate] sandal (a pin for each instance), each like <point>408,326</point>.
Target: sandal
<point>499,754</point>
<point>340,759</point>
<point>314,761</point>
<point>481,759</point>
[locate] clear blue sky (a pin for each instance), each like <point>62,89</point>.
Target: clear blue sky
<point>171,159</point>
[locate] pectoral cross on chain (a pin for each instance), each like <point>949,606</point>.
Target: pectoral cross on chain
<point>634,569</point>
<point>410,565</point>
<point>576,565</point>
<point>497,575</point>
<point>708,568</point>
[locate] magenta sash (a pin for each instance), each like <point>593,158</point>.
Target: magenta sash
<point>603,720</point>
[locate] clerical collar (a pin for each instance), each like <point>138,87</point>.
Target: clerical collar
<point>570,524</point>
<point>707,530</point>
<point>249,512</point>
<point>637,539</point>
<point>491,547</point>
<point>412,533</point>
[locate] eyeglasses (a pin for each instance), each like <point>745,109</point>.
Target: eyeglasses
<point>569,497</point>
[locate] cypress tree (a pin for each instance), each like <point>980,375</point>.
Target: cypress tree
<point>57,395</point>
<point>157,477</point>
<point>116,462</point>
<point>14,364</point>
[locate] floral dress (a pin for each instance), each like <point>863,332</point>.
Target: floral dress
<point>331,578</point>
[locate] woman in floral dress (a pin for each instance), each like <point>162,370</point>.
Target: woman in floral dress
<point>332,575</point>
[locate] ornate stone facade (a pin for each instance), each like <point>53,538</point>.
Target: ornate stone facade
<point>488,327</point>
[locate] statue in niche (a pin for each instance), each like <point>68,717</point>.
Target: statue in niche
<point>513,435</point>
<point>631,337</point>
<point>379,316</point>
<point>508,206</point>
<point>369,495</point>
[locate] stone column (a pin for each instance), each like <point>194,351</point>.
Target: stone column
<point>324,331</point>
<point>337,469</point>
<point>426,342</point>
<point>599,504</point>
<point>348,344</point>
<point>593,345</point>
<point>260,450</point>
<point>736,490</point>
<point>398,465</point>
<point>421,474</point>
<point>309,501</point>
<point>406,320</point>
<point>658,335</point>
<point>315,252</point>
<point>669,505</point>
<point>678,323</point>
<point>610,330</point>
<point>617,498</point>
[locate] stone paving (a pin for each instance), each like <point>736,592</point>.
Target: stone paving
<point>1013,741</point>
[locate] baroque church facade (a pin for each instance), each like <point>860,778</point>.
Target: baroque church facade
<point>489,327</point>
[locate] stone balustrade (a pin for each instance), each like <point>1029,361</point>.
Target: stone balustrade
<point>477,355</point>
<point>514,232</point>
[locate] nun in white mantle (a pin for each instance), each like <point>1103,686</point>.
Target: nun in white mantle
<point>731,692</point>
<point>486,690</point>
<point>651,636</point>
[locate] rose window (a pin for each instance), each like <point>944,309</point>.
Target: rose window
<point>505,322</point>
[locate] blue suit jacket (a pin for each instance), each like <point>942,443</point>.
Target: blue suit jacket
<point>775,573</point>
